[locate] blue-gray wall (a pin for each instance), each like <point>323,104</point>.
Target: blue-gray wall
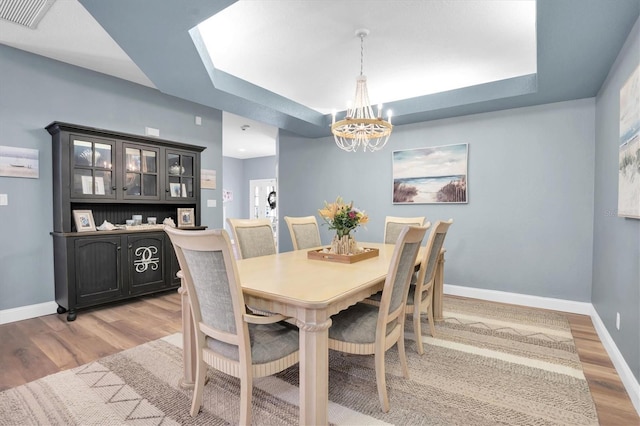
<point>34,91</point>
<point>528,225</point>
<point>233,178</point>
<point>258,168</point>
<point>616,254</point>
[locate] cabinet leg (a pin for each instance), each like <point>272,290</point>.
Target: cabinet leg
<point>61,310</point>
<point>71,316</point>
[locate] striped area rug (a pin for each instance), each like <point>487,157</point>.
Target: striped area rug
<point>489,364</point>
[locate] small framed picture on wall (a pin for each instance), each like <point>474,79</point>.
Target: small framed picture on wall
<point>186,218</point>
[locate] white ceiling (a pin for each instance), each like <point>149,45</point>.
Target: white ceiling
<point>414,48</point>
<point>285,47</point>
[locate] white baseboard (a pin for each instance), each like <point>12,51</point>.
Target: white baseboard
<point>563,305</point>
<point>628,379</point>
<point>26,312</point>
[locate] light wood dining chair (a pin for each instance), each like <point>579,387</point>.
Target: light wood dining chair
<point>423,282</point>
<point>422,290</point>
<point>253,237</point>
<point>365,329</point>
<point>227,337</point>
<point>304,232</point>
<point>393,225</point>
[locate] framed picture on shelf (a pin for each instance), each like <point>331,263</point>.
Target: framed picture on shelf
<point>186,217</point>
<point>99,185</point>
<point>175,189</point>
<point>84,220</point>
<point>87,184</point>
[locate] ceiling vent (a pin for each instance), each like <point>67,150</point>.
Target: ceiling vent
<point>24,12</point>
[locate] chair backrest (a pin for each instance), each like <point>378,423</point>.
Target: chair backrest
<point>209,273</point>
<point>396,285</point>
<point>431,252</point>
<point>393,225</point>
<point>253,237</point>
<point>304,232</point>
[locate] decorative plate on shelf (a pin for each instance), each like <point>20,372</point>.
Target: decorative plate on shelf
<point>176,170</point>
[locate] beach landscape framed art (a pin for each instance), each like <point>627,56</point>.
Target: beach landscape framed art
<point>629,153</point>
<point>431,175</point>
<point>19,162</point>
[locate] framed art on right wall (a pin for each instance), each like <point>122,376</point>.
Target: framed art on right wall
<point>431,175</point>
<point>629,154</point>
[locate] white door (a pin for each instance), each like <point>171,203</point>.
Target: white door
<point>259,208</point>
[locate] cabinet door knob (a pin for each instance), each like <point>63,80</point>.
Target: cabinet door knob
<point>124,188</point>
<point>119,248</point>
<point>130,246</point>
<point>113,188</point>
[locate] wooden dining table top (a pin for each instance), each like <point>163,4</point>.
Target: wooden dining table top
<point>294,279</point>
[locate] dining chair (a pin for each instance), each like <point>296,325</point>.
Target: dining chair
<point>422,290</point>
<point>227,337</point>
<point>304,232</point>
<point>365,329</point>
<point>253,237</point>
<point>423,282</point>
<point>393,225</point>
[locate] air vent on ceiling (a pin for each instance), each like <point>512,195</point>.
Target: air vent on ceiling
<point>24,12</point>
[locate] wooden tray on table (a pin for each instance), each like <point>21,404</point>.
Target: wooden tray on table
<point>319,254</point>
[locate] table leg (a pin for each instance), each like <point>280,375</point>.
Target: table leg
<point>314,372</point>
<point>188,342</point>
<point>438,287</point>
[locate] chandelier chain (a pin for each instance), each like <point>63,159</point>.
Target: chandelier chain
<point>361,53</point>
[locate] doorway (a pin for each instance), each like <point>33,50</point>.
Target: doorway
<point>263,202</point>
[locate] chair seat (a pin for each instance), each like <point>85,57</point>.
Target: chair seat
<point>269,342</point>
<point>357,324</point>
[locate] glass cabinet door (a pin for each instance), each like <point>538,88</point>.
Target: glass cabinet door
<point>140,172</point>
<point>92,168</point>
<point>180,175</point>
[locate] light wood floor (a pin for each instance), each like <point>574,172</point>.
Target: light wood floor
<point>37,347</point>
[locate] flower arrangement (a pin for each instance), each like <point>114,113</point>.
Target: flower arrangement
<point>342,217</point>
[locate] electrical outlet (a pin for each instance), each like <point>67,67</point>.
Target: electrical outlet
<point>198,120</point>
<point>211,203</point>
<point>4,199</point>
<point>618,320</point>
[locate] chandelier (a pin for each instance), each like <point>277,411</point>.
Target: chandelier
<point>360,127</point>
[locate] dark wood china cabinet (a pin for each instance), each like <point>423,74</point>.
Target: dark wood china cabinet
<point>117,175</point>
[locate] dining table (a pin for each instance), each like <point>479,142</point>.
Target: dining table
<point>309,292</point>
